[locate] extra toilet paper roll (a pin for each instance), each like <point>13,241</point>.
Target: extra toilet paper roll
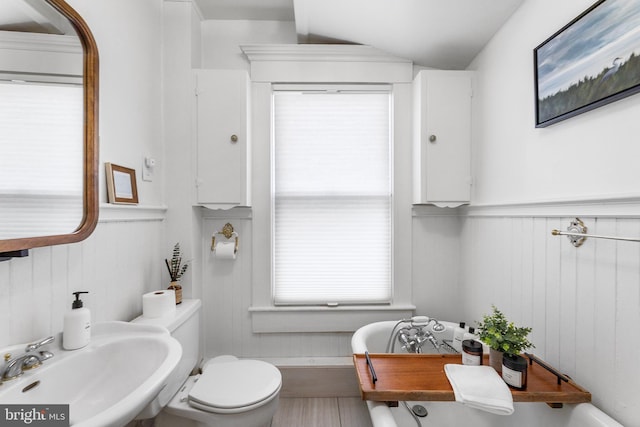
<point>225,250</point>
<point>158,303</point>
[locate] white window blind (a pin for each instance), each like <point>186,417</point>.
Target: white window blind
<point>41,162</point>
<point>332,198</point>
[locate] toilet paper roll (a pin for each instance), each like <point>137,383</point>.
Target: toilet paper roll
<point>158,303</point>
<point>225,250</point>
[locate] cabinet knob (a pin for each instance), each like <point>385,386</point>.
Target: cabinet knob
<point>432,138</point>
<point>234,138</point>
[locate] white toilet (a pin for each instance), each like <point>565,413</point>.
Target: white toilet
<point>230,392</point>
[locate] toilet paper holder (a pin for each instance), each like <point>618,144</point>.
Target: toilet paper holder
<point>228,233</point>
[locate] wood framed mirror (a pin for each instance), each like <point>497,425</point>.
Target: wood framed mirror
<point>18,199</point>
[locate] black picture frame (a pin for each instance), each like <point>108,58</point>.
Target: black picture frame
<point>590,62</point>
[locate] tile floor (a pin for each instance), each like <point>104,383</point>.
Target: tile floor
<point>321,412</point>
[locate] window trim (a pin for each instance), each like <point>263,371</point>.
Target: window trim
<point>277,319</point>
<point>337,68</point>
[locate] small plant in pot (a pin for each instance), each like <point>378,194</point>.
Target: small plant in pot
<point>503,337</point>
<point>176,271</point>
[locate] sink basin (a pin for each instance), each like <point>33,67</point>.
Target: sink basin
<point>106,383</point>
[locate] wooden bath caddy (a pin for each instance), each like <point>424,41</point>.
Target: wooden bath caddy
<point>421,377</point>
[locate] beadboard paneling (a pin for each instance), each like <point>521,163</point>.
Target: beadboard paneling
<point>226,300</point>
<point>227,291</point>
<point>119,262</point>
<point>436,266</point>
<point>582,303</point>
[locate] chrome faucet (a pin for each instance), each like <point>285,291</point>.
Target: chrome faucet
<point>14,367</point>
<point>412,339</point>
<point>434,342</point>
<point>414,333</point>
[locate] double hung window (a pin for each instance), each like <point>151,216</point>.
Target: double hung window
<point>332,195</point>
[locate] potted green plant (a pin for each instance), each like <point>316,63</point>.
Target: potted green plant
<point>503,337</point>
<point>176,271</point>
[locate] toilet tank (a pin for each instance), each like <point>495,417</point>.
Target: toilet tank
<point>184,326</point>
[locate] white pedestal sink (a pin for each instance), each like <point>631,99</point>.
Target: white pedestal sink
<point>106,383</point>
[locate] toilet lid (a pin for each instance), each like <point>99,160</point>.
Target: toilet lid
<point>236,384</point>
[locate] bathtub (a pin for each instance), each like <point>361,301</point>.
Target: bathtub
<point>374,339</point>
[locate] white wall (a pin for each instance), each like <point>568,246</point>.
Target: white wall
<point>181,53</point>
<point>128,35</point>
<point>221,40</point>
<point>581,302</point>
<point>593,154</point>
<point>124,256</point>
<point>227,293</point>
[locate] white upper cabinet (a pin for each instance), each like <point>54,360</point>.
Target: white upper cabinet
<point>223,138</point>
<point>442,137</point>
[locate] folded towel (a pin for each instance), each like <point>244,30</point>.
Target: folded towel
<point>480,387</point>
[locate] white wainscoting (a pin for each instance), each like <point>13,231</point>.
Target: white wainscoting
<point>436,263</point>
<point>119,262</point>
<point>582,303</point>
<point>227,290</point>
<point>226,297</point>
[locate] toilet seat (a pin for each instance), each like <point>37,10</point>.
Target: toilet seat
<point>231,386</point>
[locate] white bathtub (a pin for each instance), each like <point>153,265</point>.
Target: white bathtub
<point>374,338</point>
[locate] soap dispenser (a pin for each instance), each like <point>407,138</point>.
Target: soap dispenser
<point>458,337</point>
<point>76,331</point>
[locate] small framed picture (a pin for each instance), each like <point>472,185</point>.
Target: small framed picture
<point>121,184</point>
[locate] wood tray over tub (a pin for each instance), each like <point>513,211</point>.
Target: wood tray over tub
<point>421,377</point>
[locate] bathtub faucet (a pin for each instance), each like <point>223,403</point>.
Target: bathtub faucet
<point>434,342</point>
<point>414,332</point>
<point>412,339</point>
<point>424,321</point>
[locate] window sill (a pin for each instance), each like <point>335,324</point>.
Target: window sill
<point>323,319</point>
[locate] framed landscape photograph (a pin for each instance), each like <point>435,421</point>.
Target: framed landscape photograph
<point>121,184</point>
<point>592,61</point>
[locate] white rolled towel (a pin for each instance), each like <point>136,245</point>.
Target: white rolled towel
<point>480,387</point>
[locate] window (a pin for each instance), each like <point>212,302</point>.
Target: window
<point>331,196</point>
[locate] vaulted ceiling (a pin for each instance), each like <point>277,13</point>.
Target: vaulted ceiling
<point>445,34</point>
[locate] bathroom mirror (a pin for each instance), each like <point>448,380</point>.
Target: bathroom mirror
<point>48,123</point>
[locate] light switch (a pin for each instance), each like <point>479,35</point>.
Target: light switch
<point>148,165</point>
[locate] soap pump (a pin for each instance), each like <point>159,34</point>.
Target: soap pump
<point>458,337</point>
<point>76,331</point>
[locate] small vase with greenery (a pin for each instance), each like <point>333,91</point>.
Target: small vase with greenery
<point>176,271</point>
<point>503,337</point>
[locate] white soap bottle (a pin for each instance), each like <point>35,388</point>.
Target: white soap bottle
<point>458,336</point>
<point>76,332</point>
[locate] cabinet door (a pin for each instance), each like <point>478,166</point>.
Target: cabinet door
<point>222,138</point>
<point>443,137</point>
